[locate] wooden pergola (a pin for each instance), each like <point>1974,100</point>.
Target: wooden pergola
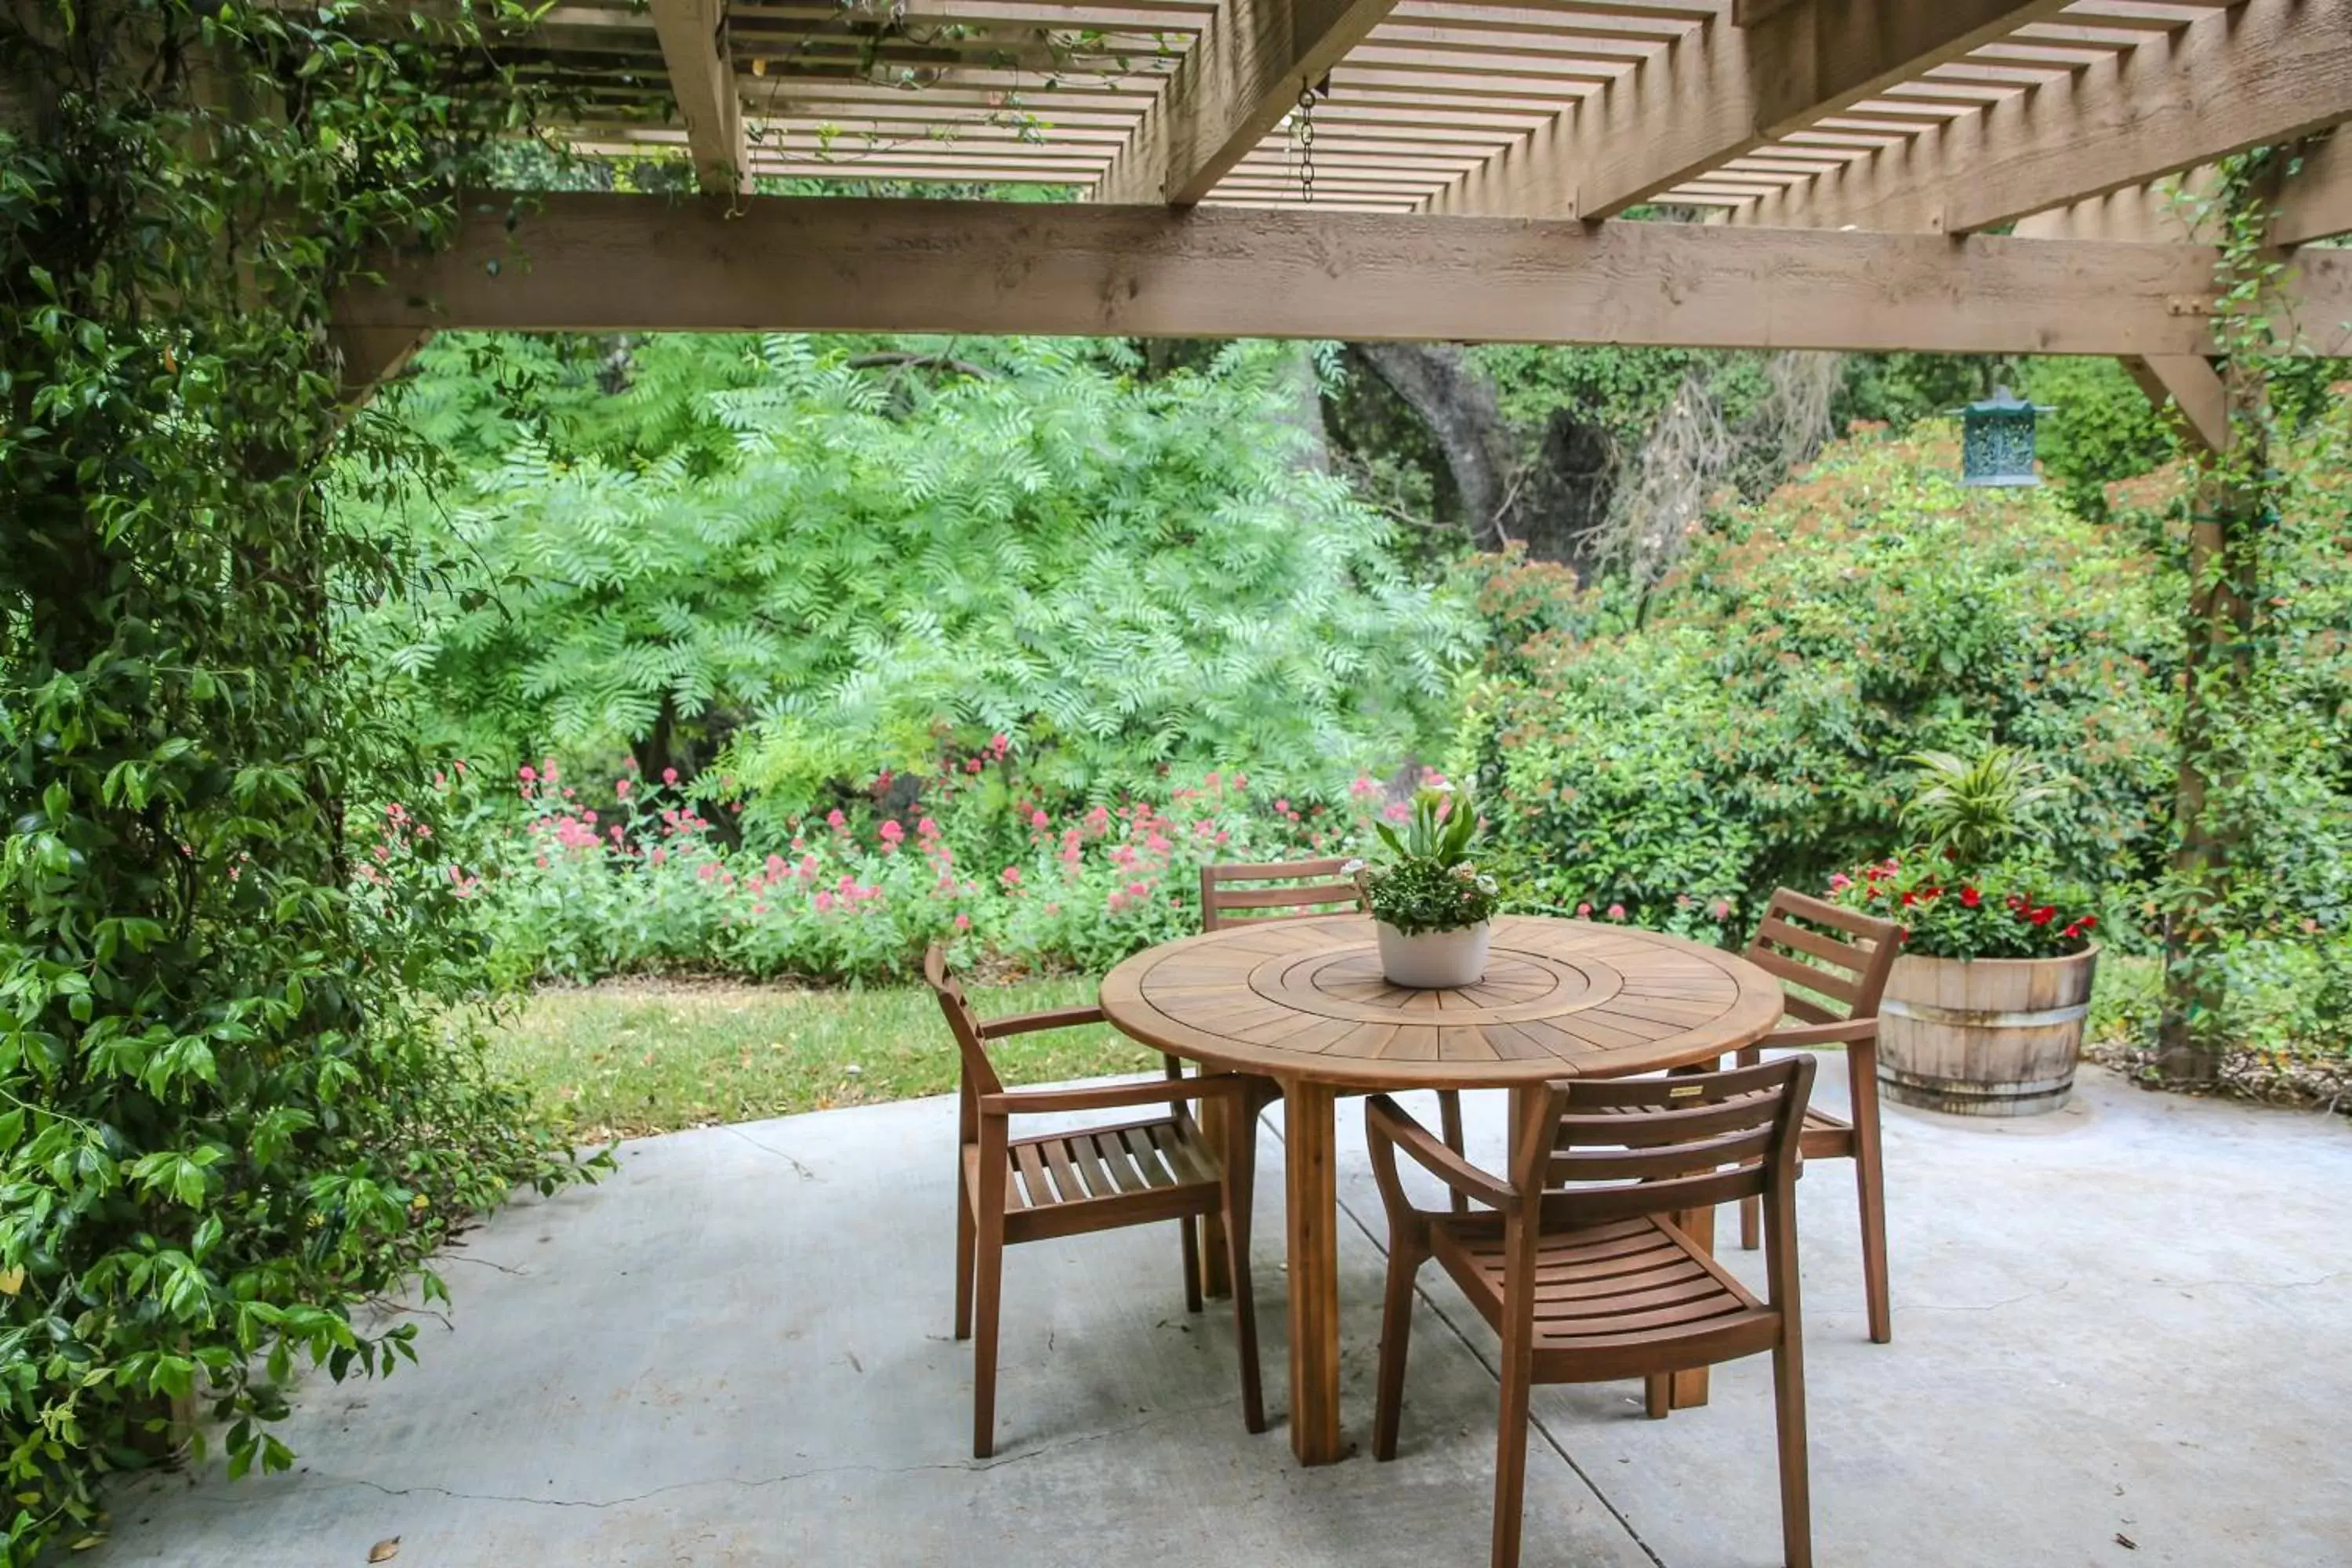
<point>1964,176</point>
<point>1979,177</point>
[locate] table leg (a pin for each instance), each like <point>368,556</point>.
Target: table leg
<point>1309,1132</point>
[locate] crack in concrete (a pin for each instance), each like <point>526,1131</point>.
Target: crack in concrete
<point>2060,1289</point>
<point>2256,1284</point>
<point>484,1262</point>
<point>805,1174</point>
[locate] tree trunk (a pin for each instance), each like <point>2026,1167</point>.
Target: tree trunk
<point>1457,404</point>
<point>1565,500</point>
<point>2224,568</point>
<point>1303,410</point>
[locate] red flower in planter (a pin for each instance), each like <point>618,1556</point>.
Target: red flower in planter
<point>2042,916</point>
<point>1970,898</point>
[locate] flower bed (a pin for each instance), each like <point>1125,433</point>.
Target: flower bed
<point>571,881</point>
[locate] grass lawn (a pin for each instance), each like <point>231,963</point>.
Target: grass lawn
<point>629,1057</point>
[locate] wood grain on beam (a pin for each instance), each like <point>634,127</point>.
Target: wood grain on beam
<point>2192,389</point>
<point>2267,71</point>
<point>1241,75</point>
<point>702,80</point>
<point>622,263</point>
<point>1724,92</point>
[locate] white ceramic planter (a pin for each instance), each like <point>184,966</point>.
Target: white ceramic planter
<point>1434,960</point>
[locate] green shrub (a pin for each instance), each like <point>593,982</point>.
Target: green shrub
<point>1745,727</point>
<point>239,1097</point>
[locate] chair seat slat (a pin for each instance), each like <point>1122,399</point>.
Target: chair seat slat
<point>1031,1171</point>
<point>1065,1175</point>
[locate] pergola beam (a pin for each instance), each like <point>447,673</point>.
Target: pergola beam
<point>2314,203</point>
<point>702,80</point>
<point>2267,71</point>
<point>2192,389</point>
<point>614,263</point>
<point>1722,92</point>
<point>1240,77</point>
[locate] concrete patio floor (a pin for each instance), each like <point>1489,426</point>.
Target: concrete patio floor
<point>2123,1336</point>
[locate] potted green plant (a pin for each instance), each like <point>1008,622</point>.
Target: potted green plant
<point>1432,907</point>
<point>1983,1013</point>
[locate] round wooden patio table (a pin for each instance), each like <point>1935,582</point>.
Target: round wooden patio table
<point>1303,1001</point>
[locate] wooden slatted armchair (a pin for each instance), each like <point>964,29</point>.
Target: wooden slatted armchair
<point>1011,1190</point>
<point>1834,963</point>
<point>1575,1262</point>
<point>1298,890</point>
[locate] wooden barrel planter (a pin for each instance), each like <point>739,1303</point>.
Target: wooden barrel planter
<point>1984,1036</point>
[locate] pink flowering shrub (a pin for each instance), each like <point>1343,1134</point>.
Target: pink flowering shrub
<point>575,880</point>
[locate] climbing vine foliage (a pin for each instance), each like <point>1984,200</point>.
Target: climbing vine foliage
<point>236,1103</point>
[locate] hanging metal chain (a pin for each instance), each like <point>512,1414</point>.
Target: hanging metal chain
<point>1302,140</point>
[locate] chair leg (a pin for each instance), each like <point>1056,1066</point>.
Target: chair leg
<point>1189,1231</point>
<point>967,1239</point>
<point>1870,1188</point>
<point>1396,1338</point>
<point>1751,1210</point>
<point>1449,1122</point>
<point>1796,1488</point>
<point>1240,1190</point>
<point>1511,1454</point>
<point>1219,1122</point>
<point>1658,1396</point>
<point>988,1288</point>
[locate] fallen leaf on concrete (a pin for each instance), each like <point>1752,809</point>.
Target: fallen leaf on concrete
<point>384,1550</point>
<point>2126,1541</point>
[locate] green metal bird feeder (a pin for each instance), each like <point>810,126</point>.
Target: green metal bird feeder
<point>1997,440</point>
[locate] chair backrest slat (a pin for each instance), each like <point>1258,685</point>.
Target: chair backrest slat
<point>1812,977</point>
<point>1840,956</point>
<point>1689,1119</point>
<point>1811,1011</point>
<point>1646,1159</point>
<point>1604,1206</point>
<point>979,1073</point>
<point>1314,891</point>
<point>1606,1150</point>
<point>1852,957</point>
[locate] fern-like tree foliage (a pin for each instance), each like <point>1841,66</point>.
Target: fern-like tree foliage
<point>833,559</point>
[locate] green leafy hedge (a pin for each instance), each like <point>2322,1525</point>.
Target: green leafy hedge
<point>1743,727</point>
<point>238,1096</point>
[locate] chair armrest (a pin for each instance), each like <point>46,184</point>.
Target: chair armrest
<point>1028,1023</point>
<point>1847,1030</point>
<point>1111,1096</point>
<point>1389,1129</point>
